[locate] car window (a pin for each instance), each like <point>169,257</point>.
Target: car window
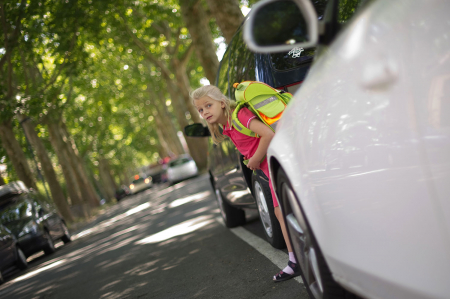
<point>242,62</point>
<point>16,211</point>
<point>289,60</point>
<point>179,162</point>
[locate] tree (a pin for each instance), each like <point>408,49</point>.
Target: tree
<point>197,23</point>
<point>228,16</point>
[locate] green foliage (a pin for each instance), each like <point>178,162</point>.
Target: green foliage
<point>79,61</point>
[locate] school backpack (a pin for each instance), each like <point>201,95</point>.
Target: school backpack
<point>263,100</point>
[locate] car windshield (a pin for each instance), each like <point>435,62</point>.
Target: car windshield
<point>16,212</point>
<point>139,180</point>
<point>179,162</point>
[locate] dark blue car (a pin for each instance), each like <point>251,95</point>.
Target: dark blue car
<point>34,223</point>
<point>236,187</point>
<point>11,256</point>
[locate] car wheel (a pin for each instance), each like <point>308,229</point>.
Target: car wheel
<point>21,263</point>
<point>66,238</point>
<point>231,216</point>
<point>316,274</point>
<point>49,247</point>
<point>263,197</point>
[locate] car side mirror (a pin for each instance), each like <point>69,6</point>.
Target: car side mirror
<point>196,130</point>
<point>281,26</point>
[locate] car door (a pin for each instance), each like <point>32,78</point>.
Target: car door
<point>6,248</point>
<point>48,216</point>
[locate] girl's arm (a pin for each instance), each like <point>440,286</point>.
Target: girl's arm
<point>266,134</point>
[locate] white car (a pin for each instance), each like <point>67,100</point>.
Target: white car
<point>361,157</point>
<point>140,182</point>
<point>181,168</point>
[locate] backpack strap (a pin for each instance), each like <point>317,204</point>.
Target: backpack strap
<point>237,124</point>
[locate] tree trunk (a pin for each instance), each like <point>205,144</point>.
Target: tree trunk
<point>169,131</point>
<point>107,179</point>
<point>198,147</point>
<point>228,16</point>
<point>78,206</point>
<point>47,168</point>
<point>197,24</point>
<point>16,155</point>
<point>89,194</point>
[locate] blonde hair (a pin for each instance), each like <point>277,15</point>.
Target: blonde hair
<point>214,93</point>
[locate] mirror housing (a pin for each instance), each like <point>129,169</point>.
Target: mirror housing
<point>197,130</point>
<point>281,26</point>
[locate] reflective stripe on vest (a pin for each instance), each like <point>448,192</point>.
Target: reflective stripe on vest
<point>236,125</point>
<point>265,102</point>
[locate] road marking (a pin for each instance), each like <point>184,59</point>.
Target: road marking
<point>278,257</point>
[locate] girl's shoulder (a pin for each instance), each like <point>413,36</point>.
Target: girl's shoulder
<point>245,116</point>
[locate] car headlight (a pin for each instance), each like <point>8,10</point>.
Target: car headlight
<point>148,180</point>
<point>30,228</point>
<point>131,186</point>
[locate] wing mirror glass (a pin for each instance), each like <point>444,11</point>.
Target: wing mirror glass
<point>196,130</point>
<point>278,26</point>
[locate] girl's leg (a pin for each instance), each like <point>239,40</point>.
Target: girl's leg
<point>292,269</point>
<point>279,216</point>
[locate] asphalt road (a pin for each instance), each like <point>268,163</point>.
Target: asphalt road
<point>161,243</point>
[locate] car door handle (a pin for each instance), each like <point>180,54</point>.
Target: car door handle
<point>378,74</point>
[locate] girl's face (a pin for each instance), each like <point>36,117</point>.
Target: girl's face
<point>211,110</point>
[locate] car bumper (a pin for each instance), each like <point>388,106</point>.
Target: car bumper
<point>32,243</point>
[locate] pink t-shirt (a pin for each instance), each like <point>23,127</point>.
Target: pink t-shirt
<point>246,145</point>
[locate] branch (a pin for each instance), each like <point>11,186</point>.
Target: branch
<point>141,46</point>
<point>13,37</point>
<point>186,56</point>
<point>66,58</point>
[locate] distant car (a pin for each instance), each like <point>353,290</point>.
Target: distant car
<point>360,160</point>
<point>180,169</point>
<point>11,256</point>
<point>122,192</point>
<point>35,224</point>
<point>140,182</point>
<point>158,173</point>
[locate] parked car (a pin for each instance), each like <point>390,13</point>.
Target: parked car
<point>35,224</point>
<point>140,183</point>
<point>122,192</point>
<point>361,157</point>
<point>181,168</point>
<point>236,186</point>
<point>158,173</point>
<point>11,256</point>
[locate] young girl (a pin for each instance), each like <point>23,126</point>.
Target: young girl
<point>216,109</point>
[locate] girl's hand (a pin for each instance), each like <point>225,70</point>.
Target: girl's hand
<point>253,163</point>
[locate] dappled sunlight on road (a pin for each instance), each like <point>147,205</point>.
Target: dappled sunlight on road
<point>191,198</point>
<point>179,229</point>
<point>30,274</point>
<point>161,223</point>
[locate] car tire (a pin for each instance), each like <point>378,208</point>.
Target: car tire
<point>66,238</point>
<point>263,197</point>
<point>316,274</point>
<point>231,216</point>
<point>21,262</point>
<point>49,247</point>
